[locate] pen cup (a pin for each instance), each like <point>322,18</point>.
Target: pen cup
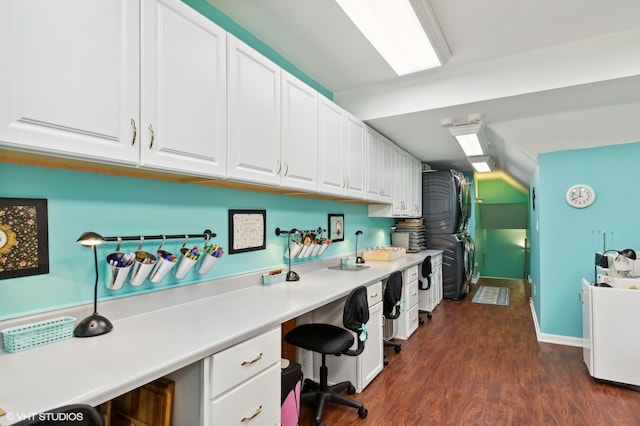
<point>119,266</point>
<point>207,262</point>
<point>324,246</point>
<point>166,262</point>
<point>315,249</point>
<point>187,261</point>
<point>142,266</point>
<point>293,250</point>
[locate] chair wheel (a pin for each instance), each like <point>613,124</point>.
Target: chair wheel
<point>306,388</point>
<point>429,316</point>
<point>320,423</point>
<point>351,390</point>
<point>397,349</point>
<point>362,412</point>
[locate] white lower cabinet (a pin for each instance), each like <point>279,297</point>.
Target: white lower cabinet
<point>407,322</point>
<point>360,370</point>
<point>242,383</point>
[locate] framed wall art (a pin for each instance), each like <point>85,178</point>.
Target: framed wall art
<point>247,230</point>
<point>24,237</point>
<point>336,227</point>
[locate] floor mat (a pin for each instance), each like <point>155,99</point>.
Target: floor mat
<point>492,295</point>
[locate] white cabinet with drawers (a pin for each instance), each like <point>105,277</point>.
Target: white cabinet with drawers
<point>407,322</point>
<point>242,383</point>
<point>430,298</point>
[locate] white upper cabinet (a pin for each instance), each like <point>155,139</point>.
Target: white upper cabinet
<point>341,147</point>
<point>299,147</point>
<point>184,92</point>
<point>253,115</point>
<point>354,157</point>
<point>407,188</point>
<point>330,147</point>
<point>379,167</point>
<point>75,87</point>
<point>70,78</point>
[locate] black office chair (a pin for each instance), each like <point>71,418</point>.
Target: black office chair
<point>425,284</point>
<point>328,339</point>
<point>68,415</point>
<point>392,306</point>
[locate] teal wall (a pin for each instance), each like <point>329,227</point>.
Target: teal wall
<point>564,240</point>
<point>114,205</point>
<point>232,27</point>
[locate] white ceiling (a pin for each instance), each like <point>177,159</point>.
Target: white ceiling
<point>545,75</point>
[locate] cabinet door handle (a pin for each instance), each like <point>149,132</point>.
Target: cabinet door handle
<point>286,168</point>
<point>581,296</point>
<point>135,131</point>
<point>153,136</point>
<point>253,360</point>
<point>252,415</point>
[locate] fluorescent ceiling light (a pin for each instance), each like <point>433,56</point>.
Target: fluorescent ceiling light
<point>393,28</point>
<point>483,164</point>
<point>469,137</point>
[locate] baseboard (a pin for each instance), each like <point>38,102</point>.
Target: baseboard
<point>553,338</point>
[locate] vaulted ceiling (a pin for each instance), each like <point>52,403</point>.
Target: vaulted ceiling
<point>545,75</point>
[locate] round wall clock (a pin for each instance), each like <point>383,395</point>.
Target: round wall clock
<point>580,196</point>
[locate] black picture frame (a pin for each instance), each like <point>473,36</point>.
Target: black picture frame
<point>247,230</point>
<point>336,226</point>
<point>25,220</point>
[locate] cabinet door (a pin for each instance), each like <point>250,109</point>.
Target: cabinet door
<point>354,157</point>
<point>372,358</point>
<point>373,176</point>
<point>386,170</point>
<point>299,145</point>
<point>253,140</point>
<point>184,102</point>
<point>330,147</point>
<point>70,78</point>
<point>399,188</point>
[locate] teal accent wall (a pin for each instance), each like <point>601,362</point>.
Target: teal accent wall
<point>229,25</point>
<point>114,205</point>
<point>564,239</point>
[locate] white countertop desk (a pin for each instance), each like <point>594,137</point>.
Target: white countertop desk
<point>144,347</point>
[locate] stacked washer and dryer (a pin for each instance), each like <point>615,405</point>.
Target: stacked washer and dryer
<point>446,208</point>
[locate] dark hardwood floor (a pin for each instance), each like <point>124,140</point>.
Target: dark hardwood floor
<point>475,364</point>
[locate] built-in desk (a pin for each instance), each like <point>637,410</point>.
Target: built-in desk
<point>152,344</point>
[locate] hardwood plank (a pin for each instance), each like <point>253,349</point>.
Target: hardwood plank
<point>474,364</point>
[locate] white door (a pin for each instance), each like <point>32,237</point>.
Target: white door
<point>373,148</point>
<point>386,170</point>
<point>399,188</point>
<point>330,147</point>
<point>184,91</point>
<point>299,145</point>
<point>372,358</point>
<point>70,78</point>
<point>354,157</point>
<point>253,139</point>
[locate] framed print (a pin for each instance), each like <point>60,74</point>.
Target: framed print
<point>24,237</point>
<point>247,230</point>
<point>336,227</point>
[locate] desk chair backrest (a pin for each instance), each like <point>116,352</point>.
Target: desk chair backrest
<point>356,316</point>
<point>425,274</point>
<point>391,301</point>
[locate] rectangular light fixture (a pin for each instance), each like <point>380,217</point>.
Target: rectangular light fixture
<point>482,164</point>
<point>394,29</point>
<point>469,137</point>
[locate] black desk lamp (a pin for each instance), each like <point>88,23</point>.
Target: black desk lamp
<point>359,259</point>
<point>94,324</point>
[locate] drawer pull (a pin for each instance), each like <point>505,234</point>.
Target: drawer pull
<point>252,415</point>
<point>373,296</point>
<point>254,360</point>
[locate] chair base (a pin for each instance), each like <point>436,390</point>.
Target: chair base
<point>420,320</point>
<point>321,393</point>
<point>397,347</point>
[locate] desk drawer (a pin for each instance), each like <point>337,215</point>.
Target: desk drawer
<point>413,320</point>
<point>410,274</point>
<point>256,402</point>
<point>412,295</point>
<point>238,363</point>
<point>374,293</point>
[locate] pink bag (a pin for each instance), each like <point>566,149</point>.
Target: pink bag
<point>290,393</point>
